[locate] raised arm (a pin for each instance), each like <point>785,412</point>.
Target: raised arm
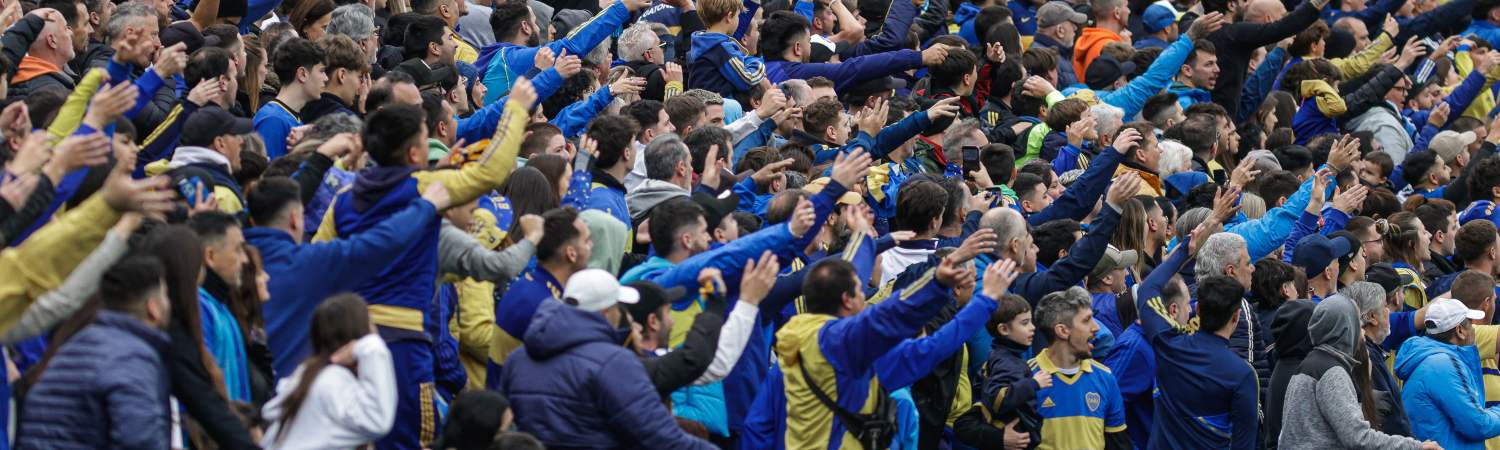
<point>499,159</point>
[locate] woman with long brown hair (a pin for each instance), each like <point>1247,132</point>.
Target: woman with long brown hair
<point>342,396</point>
<point>1406,247</point>
<point>244,303</point>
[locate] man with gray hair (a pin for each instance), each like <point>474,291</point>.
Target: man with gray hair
<point>1014,241</point>
<point>1225,254</point>
<point>1375,320</point>
<point>641,49</point>
<point>358,22</point>
<point>669,174</point>
<point>1081,386</point>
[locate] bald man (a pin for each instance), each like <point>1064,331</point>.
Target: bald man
<point>1263,23</point>
<point>1356,28</point>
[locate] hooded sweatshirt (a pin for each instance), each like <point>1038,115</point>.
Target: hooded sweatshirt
<point>1444,380</point>
<point>1291,347</point>
<point>649,194</point>
<point>1332,419</point>
<point>1090,43</point>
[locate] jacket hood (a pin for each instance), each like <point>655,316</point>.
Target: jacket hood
<point>1183,90</point>
<point>1418,349</point>
<point>372,184</point>
<point>557,327</point>
<point>704,41</point>
<point>188,155</point>
<point>649,194</point>
<point>33,67</point>
<point>966,12</point>
<point>1290,327</point>
<point>156,337</point>
<point>1334,327</point>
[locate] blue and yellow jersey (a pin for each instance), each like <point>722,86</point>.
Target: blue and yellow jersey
<point>1078,409</point>
<point>1414,294</point>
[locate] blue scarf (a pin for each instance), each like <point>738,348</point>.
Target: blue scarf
<point>221,333</point>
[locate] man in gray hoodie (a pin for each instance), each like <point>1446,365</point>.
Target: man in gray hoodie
<point>669,174</point>
<point>1334,418</point>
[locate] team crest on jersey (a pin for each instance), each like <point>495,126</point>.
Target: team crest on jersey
<point>1092,399</point>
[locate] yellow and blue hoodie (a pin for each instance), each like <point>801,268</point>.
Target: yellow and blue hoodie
<point>840,355</point>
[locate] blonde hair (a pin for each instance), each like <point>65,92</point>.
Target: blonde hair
<point>715,11</point>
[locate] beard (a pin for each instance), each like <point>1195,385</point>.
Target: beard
<point>533,40</point>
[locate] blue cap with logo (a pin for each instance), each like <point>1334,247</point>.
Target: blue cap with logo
<point>1315,252</point>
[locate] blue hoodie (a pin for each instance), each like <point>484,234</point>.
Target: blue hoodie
<point>1445,380</point>
<point>964,17</point>
<point>718,63</point>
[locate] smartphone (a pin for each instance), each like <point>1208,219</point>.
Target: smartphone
<point>971,158</point>
<point>188,187</point>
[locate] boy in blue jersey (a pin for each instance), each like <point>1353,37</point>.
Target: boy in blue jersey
<point>1207,396</point>
<point>1008,396</point>
<point>717,62</point>
<point>299,66</point>
<point>613,135</point>
<point>1082,409</point>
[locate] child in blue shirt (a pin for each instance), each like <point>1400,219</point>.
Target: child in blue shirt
<point>299,66</point>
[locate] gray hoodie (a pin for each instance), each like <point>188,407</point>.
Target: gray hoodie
<point>1329,415</point>
<point>648,194</point>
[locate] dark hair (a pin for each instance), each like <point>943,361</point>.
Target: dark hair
<point>747,221</point>
<point>1401,239</point>
<point>538,135</point>
<point>528,192</point>
<point>554,167</point>
<point>999,160</point>
<point>1302,43</point>
<point>506,19</point>
<point>1294,157</point>
<point>646,113</point>
<point>341,319</point>
<point>181,253</point>
<point>667,221</point>
<point>954,186</point>
<point>917,204</point>
<point>43,104</point>
<point>1010,306</point>
<point>700,140</point>
<point>130,281</point>
<point>1380,203</point>
<point>821,114</point>
<point>825,285</point>
<point>295,53</point>
<point>473,419</point>
<point>1485,179</point>
<point>1270,274</point>
<point>1276,185</point>
<point>1417,165</point>
<point>573,90</point>
<point>308,12</point>
<point>212,225</point>
<point>779,31</point>
<point>951,71</point>
<point>1053,237</point>
<point>1474,240</point>
<point>516,440</point>
<point>1064,113</point>
<point>270,198</point>
<point>1157,105</point>
<point>68,8</point>
<point>422,30</point>
<point>1436,214</point>
<point>206,63</point>
<point>1218,302</point>
<point>613,134</point>
<point>559,231</point>
<point>1027,183</point>
<point>1472,287</point>
<point>683,111</point>
<point>389,132</point>
<point>1039,60</point>
<point>432,111</point>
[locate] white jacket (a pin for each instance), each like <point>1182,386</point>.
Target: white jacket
<point>341,410</point>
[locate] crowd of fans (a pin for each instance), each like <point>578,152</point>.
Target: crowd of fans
<point>749,224</point>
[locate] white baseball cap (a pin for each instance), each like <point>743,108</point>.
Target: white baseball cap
<point>596,290</point>
<point>1445,313</point>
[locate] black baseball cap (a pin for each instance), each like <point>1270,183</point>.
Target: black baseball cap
<point>1387,277</point>
<point>716,208</point>
<point>653,296</point>
<point>1104,70</point>
<point>209,122</point>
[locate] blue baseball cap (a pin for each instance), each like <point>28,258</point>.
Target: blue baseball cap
<point>1158,17</point>
<point>1315,252</point>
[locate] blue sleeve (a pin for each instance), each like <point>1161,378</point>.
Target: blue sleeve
<point>762,423</point>
<point>1260,82</point>
<point>575,118</point>
<point>1424,137</point>
<point>729,259</point>
<point>1439,19</point>
<point>1082,257</point>
<point>914,358</point>
<point>119,73</point>
<point>254,10</point>
<point>746,16</point>
<point>851,73</point>
<point>1374,15</point>
<point>1078,200</point>
<point>746,191</point>
<point>163,141</point>
<point>761,136</point>
<point>64,192</point>
<point>861,254</point>
<point>823,204</point>
<point>892,34</point>
<point>852,344</point>
<point>147,86</point>
<point>1304,226</point>
<point>583,39</point>
<point>1464,95</point>
<point>892,136</point>
<point>1333,220</point>
<point>1066,159</point>
<point>1133,96</point>
<point>580,189</point>
<point>481,125</point>
<point>1151,308</point>
<point>1261,235</point>
<point>1245,413</point>
<point>741,70</point>
<point>383,242</point>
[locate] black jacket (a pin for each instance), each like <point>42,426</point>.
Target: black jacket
<point>196,392</point>
<point>680,367</point>
<point>12,222</point>
<point>1235,42</point>
<point>17,41</point>
<point>656,81</point>
<point>1292,345</point>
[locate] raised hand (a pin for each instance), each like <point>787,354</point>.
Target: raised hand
<point>32,154</point>
<point>1350,200</point>
<point>1036,86</point>
<point>758,278</point>
<point>802,218</point>
<point>944,108</point>
<point>15,121</point>
<point>1127,140</point>
<point>849,168</point>
<point>1226,204</point>
<point>339,145</point>
<point>544,58</point>
<point>770,103</point>
<point>1344,153</point>
<point>1319,191</point>
<point>1390,27</point>
<point>1439,115</point>
<point>567,65</point>
<point>1206,25</point>
<point>765,175</point>
<point>171,60</point>
<point>627,85</point>
<point>995,53</point>
<point>532,227</point>
<point>206,91</point>
<point>998,276</point>
<point>1410,52</point>
<point>79,151</point>
<point>673,72</point>
<point>18,190</point>
<point>1082,130</point>
<point>1124,187</point>
<point>1243,173</point>
<point>934,55</point>
<point>149,196</point>
<point>872,118</point>
<point>952,272</point>
<point>979,243</point>
<point>109,103</point>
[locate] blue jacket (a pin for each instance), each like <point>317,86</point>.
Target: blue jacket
<point>1069,271</point>
<point>1444,381</point>
<point>1134,365</point>
<point>1188,96</point>
<point>1207,396</point>
<point>718,63</point>
<point>964,17</point>
<point>1065,74</point>
<point>1266,234</point>
<point>1158,76</point>
<point>303,275</point>
<point>850,73</point>
<point>481,125</point>
<point>574,118</point>
<point>1484,29</point>
<point>1078,200</point>
<point>503,62</point>
<point>107,387</point>
<point>572,385</point>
